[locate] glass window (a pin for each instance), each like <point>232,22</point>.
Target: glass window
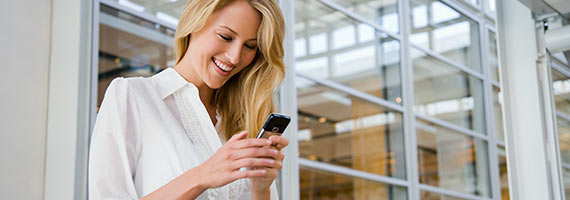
<point>165,10</point>
<point>365,33</point>
<point>370,64</point>
<point>342,130</point>
<point>317,184</point>
<point>344,37</point>
<point>452,160</point>
<point>318,43</point>
<point>504,177</point>
<point>300,47</point>
<point>446,93</point>
<point>561,90</point>
<point>447,32</point>
<point>474,2</point>
<point>425,195</point>
<point>315,67</point>
<point>563,126</point>
<point>493,57</point>
<point>498,109</point>
<point>130,46</point>
<point>566,179</point>
<point>492,6</point>
<point>382,12</point>
<point>562,57</point>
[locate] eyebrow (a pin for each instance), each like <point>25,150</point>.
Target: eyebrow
<point>234,32</point>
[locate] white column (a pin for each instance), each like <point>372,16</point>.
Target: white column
<point>290,171</point>
<point>24,52</point>
<point>526,138</point>
<point>68,100</point>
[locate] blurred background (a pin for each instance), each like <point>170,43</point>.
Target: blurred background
<point>392,99</point>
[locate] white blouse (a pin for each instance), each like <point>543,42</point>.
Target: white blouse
<point>150,131</point>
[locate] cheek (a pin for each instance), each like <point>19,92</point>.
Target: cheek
<point>248,57</point>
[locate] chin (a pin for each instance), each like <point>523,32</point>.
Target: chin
<point>216,84</point>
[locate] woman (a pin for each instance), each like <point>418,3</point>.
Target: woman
<point>155,138</point>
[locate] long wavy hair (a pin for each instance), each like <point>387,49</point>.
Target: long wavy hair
<point>246,99</point>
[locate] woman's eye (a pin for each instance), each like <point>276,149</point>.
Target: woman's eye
<point>226,38</point>
<point>250,46</point>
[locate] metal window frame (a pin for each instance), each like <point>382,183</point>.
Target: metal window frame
<point>142,15</point>
<point>353,92</point>
<point>453,127</point>
<point>407,76</point>
<point>407,82</point>
<point>450,193</point>
<point>358,18</point>
<point>352,172</point>
<point>493,158</point>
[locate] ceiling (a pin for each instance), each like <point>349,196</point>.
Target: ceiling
<point>548,7</point>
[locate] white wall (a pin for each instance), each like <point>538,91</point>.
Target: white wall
<point>24,61</point>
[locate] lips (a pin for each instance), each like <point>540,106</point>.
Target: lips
<point>222,65</point>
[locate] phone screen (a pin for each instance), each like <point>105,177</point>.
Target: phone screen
<point>274,125</point>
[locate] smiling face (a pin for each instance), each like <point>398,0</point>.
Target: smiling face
<point>225,45</point>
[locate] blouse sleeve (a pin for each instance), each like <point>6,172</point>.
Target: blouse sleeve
<point>113,150</point>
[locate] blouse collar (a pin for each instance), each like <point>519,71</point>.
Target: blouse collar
<point>169,81</point>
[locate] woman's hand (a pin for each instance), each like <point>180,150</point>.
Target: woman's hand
<point>260,184</point>
<point>224,166</point>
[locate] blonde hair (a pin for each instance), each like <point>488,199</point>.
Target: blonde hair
<point>246,99</point>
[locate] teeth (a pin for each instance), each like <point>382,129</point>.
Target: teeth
<point>222,66</point>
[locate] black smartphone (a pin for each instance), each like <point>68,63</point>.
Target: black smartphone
<point>274,125</point>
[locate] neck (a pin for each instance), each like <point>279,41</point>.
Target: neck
<point>187,72</point>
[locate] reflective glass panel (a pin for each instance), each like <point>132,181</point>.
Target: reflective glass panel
<point>474,2</point>
<point>561,91</point>
<point>563,126</point>
<point>566,179</point>
<point>493,56</point>
<point>504,177</point>
<point>498,109</point>
<point>562,57</point>
<point>342,130</point>
<point>317,184</point>
<point>442,29</point>
<point>425,195</point>
<point>446,93</point>
<point>381,12</point>
<point>346,51</point>
<point>165,10</point>
<point>130,46</point>
<point>452,160</point>
<point>492,6</point>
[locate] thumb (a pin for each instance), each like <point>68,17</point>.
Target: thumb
<point>238,136</point>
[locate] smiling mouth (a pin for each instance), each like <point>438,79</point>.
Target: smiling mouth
<point>222,65</point>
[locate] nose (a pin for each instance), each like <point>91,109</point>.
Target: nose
<point>234,53</point>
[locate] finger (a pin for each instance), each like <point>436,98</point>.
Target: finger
<point>255,152</point>
<point>279,142</point>
<point>251,142</point>
<point>247,173</point>
<point>253,162</point>
<point>238,136</point>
